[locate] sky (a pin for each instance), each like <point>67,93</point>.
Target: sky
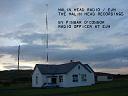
<point>22,22</point>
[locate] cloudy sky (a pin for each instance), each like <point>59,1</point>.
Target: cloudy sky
<point>23,22</point>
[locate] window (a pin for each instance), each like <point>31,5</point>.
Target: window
<point>36,79</point>
<point>60,78</point>
<point>79,67</point>
<point>83,77</point>
<point>109,77</point>
<point>75,78</point>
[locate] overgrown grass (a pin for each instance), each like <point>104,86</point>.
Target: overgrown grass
<point>113,88</point>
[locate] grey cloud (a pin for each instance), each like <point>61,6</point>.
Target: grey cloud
<point>58,54</point>
<point>8,7</point>
<point>7,63</point>
<point>28,26</point>
<point>113,64</point>
<point>30,38</point>
<point>15,67</point>
<point>97,54</point>
<point>28,52</point>
<point>26,33</point>
<point>1,55</point>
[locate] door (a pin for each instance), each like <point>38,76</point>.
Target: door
<point>53,80</point>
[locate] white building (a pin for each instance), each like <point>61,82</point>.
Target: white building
<point>103,77</point>
<point>71,74</point>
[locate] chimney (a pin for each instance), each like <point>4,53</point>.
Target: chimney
<point>71,61</point>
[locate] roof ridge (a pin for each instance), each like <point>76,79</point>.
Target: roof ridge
<point>63,63</point>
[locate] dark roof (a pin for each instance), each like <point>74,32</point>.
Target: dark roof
<point>60,69</point>
<point>102,74</point>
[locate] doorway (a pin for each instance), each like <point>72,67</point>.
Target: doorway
<point>53,80</point>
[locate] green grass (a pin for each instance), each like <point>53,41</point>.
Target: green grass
<point>114,88</point>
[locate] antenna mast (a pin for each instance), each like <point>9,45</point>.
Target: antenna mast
<point>47,58</point>
<point>18,56</point>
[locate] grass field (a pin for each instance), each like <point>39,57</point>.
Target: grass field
<point>113,88</point>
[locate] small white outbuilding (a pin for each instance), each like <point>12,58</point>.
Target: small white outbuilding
<point>101,77</point>
<point>70,74</point>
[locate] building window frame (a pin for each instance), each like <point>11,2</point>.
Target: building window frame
<point>83,77</point>
<point>60,78</point>
<point>79,67</point>
<point>74,78</point>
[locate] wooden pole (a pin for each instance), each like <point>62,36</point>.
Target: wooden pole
<point>18,56</point>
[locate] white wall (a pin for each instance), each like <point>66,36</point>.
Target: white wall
<point>103,78</point>
<point>68,77</point>
<point>40,78</point>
